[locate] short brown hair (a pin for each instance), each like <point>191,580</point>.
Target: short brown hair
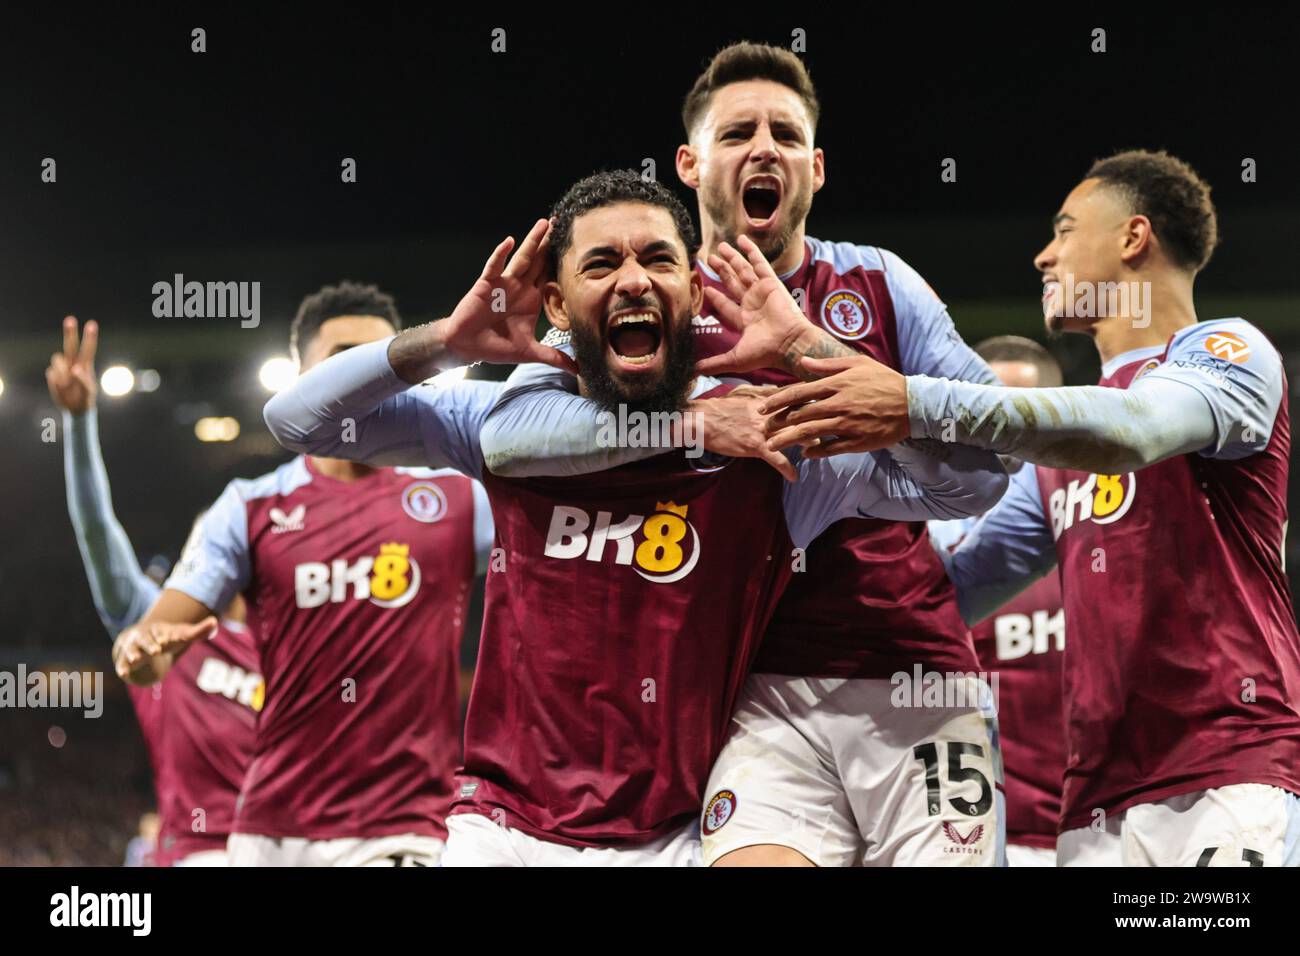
<point>1017,348</point>
<point>749,61</point>
<point>1168,192</point>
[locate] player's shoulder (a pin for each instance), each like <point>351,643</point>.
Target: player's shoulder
<point>1232,340</point>
<point>844,257</point>
<point>279,482</point>
<point>900,277</point>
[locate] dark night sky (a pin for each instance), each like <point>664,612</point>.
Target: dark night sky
<point>225,166</point>
<point>164,153</point>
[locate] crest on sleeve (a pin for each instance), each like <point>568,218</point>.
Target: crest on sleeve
<point>846,314</point>
<point>718,811</point>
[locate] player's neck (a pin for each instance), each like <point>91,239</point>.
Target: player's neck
<point>340,469</point>
<point>789,260</point>
<point>1157,309</point>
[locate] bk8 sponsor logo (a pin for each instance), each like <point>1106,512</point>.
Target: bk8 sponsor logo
<point>390,579</point>
<point>231,682</point>
<point>1019,634</point>
<point>1101,499</point>
<point>663,554</point>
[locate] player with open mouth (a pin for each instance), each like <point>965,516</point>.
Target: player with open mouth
<point>874,600</point>
<point>609,597</point>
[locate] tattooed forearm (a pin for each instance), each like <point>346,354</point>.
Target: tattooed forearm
<point>418,353</point>
<point>813,344</point>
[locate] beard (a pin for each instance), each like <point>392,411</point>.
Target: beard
<point>720,210</point>
<point>666,394</point>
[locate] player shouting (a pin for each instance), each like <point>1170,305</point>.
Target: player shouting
<point>356,580</point>
<point>837,780</point>
<point>621,626</point>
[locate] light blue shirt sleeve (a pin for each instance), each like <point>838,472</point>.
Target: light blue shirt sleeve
<point>1089,428</point>
<point>1007,550</point>
<point>541,426</point>
<point>913,481</point>
<point>353,406</point>
<point>1234,367</point>
<point>214,566</point>
<point>121,591</point>
<point>928,342</point>
<point>484,529</point>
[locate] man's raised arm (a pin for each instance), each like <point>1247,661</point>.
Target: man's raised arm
<point>542,427</point>
<point>354,406</point>
<point>120,589</point>
<point>357,406</point>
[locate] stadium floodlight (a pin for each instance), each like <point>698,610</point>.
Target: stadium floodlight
<point>117,380</point>
<point>216,429</point>
<point>148,381</point>
<point>278,373</point>
<point>2,386</point>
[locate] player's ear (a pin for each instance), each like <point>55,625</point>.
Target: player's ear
<point>819,169</point>
<point>688,166</point>
<point>1137,240</point>
<point>697,292</point>
<point>553,303</point>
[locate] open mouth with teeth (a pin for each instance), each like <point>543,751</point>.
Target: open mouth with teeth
<point>761,198</point>
<point>635,340</point>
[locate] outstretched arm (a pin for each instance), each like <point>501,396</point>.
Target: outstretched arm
<point>144,653</point>
<point>356,404</point>
<point>1216,392</point>
<point>121,591</point>
<point>913,481</point>
<point>1087,428</point>
<point>213,568</point>
<point>541,426</point>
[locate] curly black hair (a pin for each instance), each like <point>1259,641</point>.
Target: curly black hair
<point>332,301</point>
<point>1168,192</point>
<point>606,189</point>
